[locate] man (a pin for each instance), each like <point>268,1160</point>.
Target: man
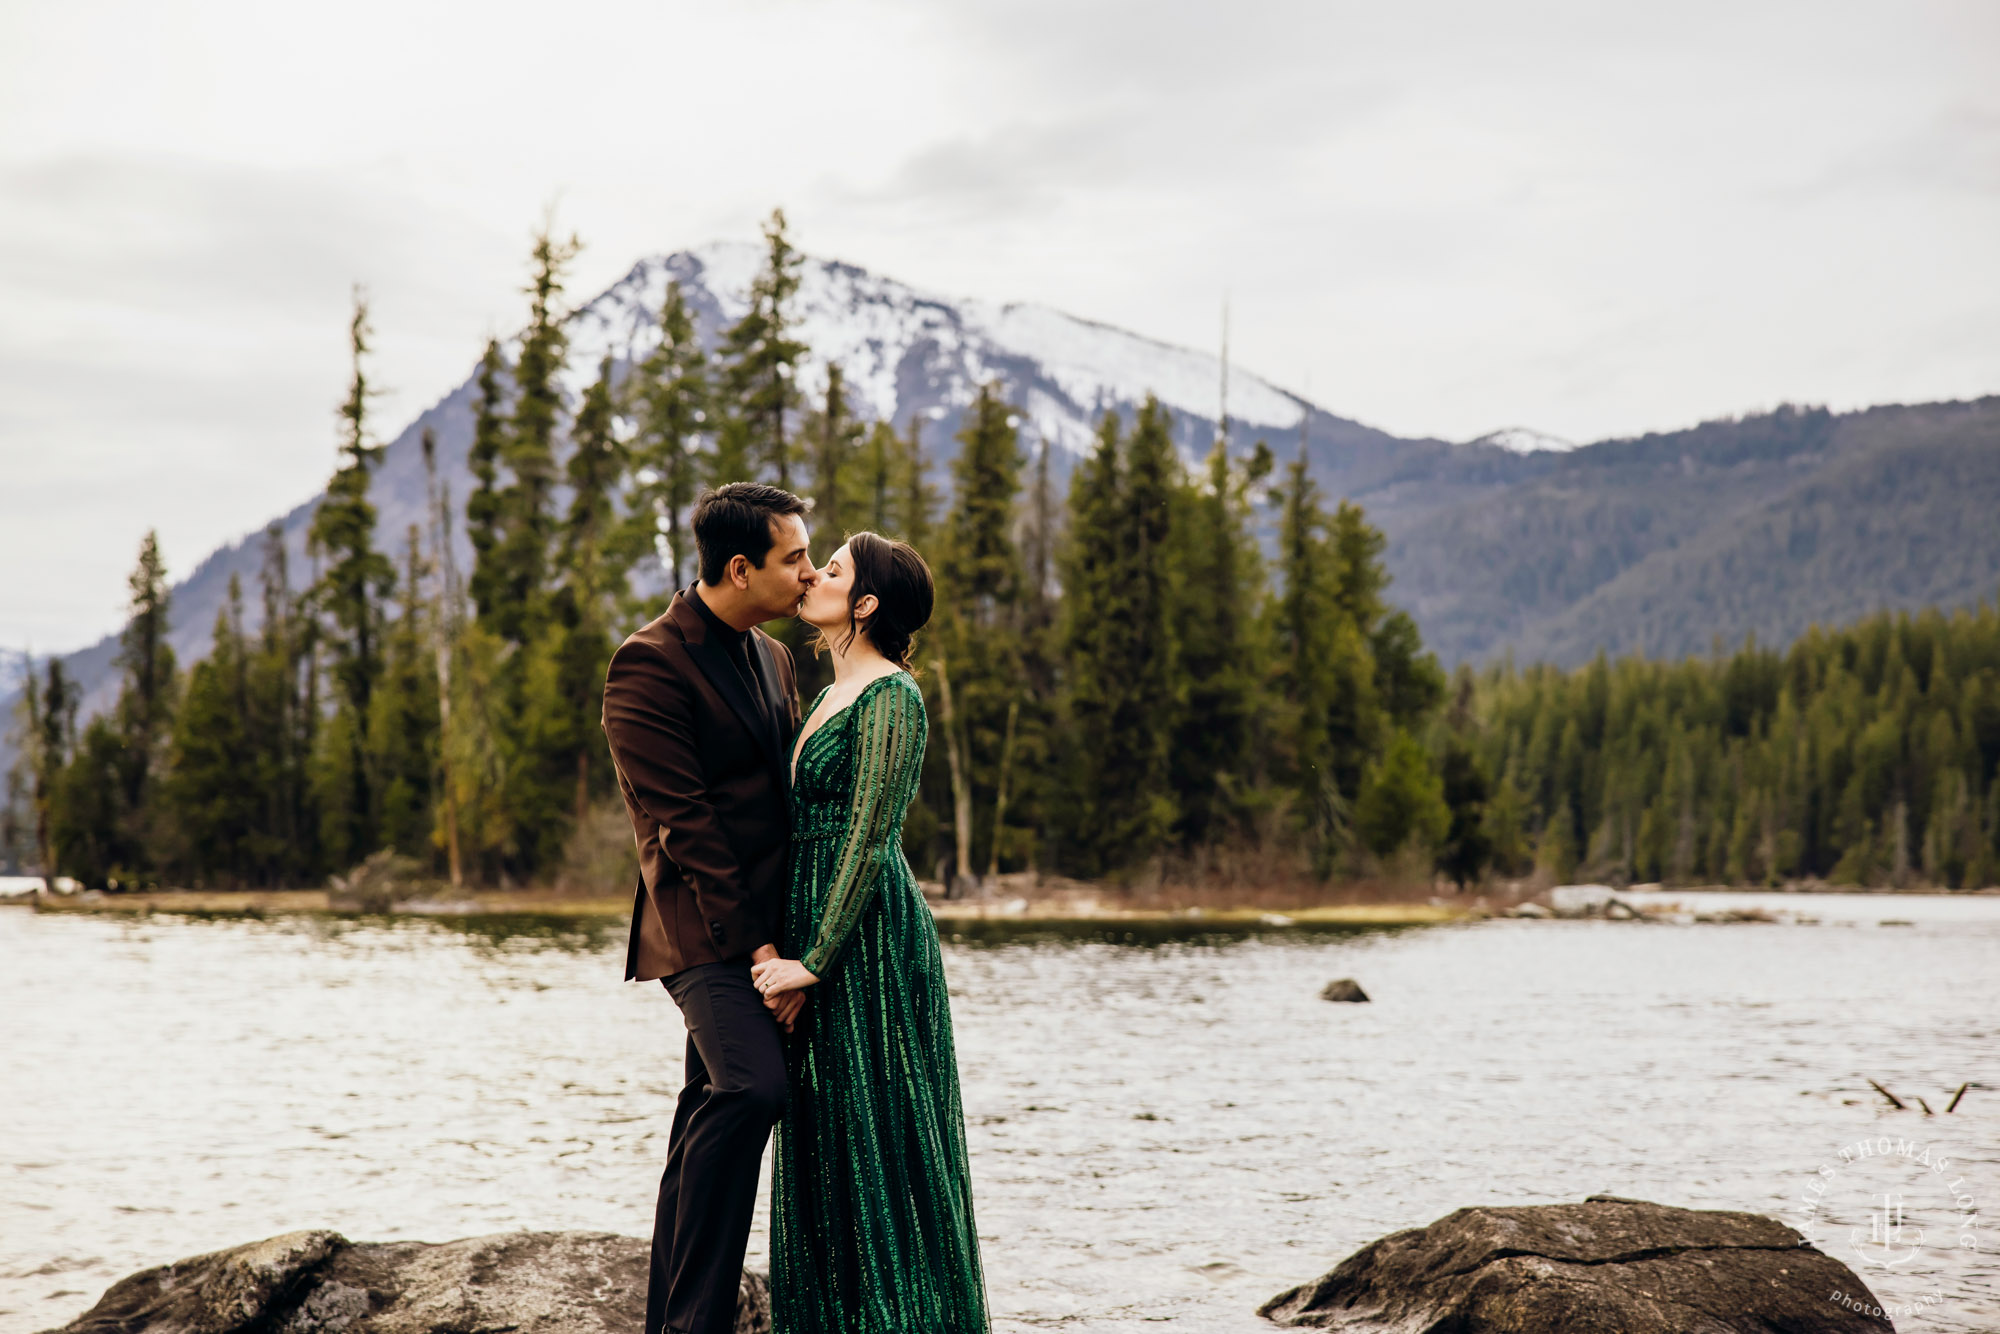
<point>700,708</point>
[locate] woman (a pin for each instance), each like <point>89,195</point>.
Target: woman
<point>871,1202</point>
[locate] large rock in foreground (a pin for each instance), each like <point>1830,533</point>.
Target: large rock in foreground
<point>1603,1265</point>
<point>321,1283</point>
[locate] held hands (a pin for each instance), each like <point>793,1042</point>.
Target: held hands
<point>784,1002</point>
<point>776,977</point>
<point>785,1009</point>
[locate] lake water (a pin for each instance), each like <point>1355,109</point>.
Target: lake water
<point>1162,1131</point>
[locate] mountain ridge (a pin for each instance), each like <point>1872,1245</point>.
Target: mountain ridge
<point>1507,544</point>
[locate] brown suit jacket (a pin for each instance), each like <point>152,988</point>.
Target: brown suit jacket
<point>707,786</point>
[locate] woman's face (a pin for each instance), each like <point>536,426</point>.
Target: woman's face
<point>825,607</point>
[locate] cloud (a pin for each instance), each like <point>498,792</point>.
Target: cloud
<point>1589,219</point>
<point>174,345</point>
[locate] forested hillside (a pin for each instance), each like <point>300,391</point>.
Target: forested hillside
<point>1868,755</point>
<point>1663,544</point>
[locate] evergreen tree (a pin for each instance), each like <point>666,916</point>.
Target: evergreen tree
<point>1148,707</point>
<point>569,668</point>
<point>105,818</point>
<point>1033,788</point>
<point>212,783</point>
<point>1041,539</point>
<point>670,396</point>
<point>1402,804</point>
<point>836,440</point>
<point>919,500</point>
<point>514,575</point>
<point>50,736</point>
<point>1093,649</point>
<point>1219,590</point>
<point>403,718</point>
<point>1467,847</point>
<point>979,579</point>
<point>285,843</point>
<point>760,364</point>
<point>146,703</point>
<point>877,492</point>
<point>89,834</point>
<point>1118,644</point>
<point>1312,643</point>
<point>483,506</point>
<point>349,592</point>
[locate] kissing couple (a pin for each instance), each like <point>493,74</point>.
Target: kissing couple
<point>775,906</point>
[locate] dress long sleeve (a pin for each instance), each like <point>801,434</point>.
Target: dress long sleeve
<point>889,733</point>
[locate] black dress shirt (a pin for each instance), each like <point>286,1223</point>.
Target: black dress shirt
<point>736,643</point>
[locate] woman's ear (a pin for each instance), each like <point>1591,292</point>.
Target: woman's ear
<point>866,607</point>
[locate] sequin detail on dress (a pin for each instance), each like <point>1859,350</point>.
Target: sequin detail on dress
<point>871,1200</point>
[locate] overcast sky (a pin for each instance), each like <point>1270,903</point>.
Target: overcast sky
<point>1591,219</point>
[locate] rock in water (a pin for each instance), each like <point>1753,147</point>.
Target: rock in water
<point>1604,1264</point>
<point>321,1283</point>
<point>1343,989</point>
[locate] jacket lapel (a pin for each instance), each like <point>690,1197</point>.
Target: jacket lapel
<point>714,662</point>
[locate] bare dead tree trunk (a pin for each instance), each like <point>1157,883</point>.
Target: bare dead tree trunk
<point>444,634</point>
<point>961,782</point>
<point>1000,798</point>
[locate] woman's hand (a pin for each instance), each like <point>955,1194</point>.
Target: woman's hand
<point>774,977</point>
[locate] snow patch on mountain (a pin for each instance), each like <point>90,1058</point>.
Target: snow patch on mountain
<point>1525,440</point>
<point>904,350</point>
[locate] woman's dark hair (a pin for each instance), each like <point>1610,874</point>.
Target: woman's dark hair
<point>904,593</point>
<point>735,520</point>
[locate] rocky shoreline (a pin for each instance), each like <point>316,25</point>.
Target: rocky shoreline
<point>318,1282</point>
<point>1603,1264</point>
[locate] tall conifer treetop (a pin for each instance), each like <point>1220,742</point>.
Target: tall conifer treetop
<point>761,359</point>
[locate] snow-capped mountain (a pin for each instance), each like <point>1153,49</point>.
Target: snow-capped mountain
<point>904,352</point>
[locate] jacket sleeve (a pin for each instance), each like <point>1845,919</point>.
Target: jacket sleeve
<point>649,721</point>
<point>888,763</point>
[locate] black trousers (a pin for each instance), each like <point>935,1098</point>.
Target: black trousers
<point>734,1093</point>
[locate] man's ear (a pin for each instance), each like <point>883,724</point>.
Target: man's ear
<point>738,570</point>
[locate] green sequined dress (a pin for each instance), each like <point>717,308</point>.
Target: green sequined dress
<point>871,1200</point>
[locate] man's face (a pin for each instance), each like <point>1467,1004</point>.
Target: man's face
<point>781,583</point>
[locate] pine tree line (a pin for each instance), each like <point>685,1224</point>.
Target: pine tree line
<point>1868,755</point>
<point>1192,670</point>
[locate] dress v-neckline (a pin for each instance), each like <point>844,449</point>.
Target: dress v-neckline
<point>799,749</point>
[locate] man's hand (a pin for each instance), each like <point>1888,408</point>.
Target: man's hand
<point>785,1009</point>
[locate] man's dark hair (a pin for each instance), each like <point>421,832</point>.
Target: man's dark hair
<point>735,520</point>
